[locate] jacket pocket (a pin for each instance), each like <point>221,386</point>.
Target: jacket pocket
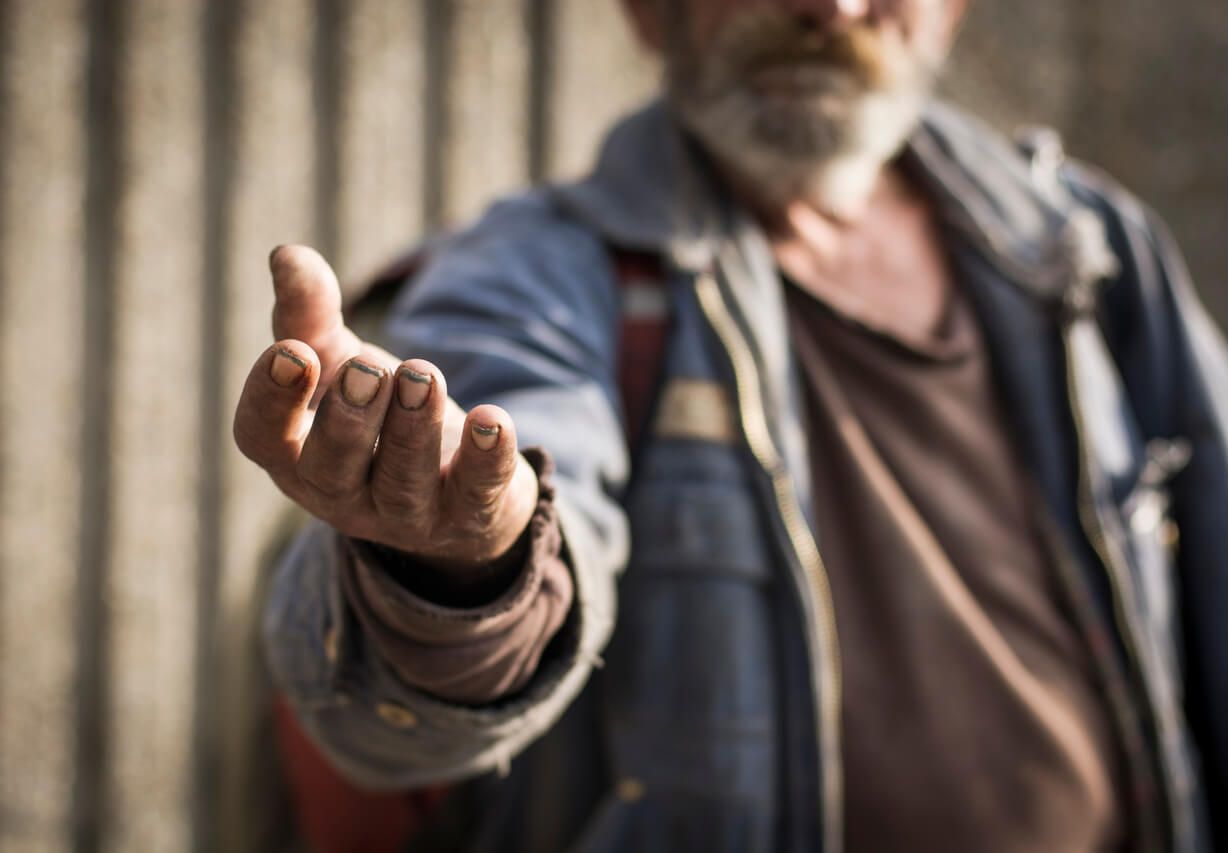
<point>692,512</point>
<point>691,675</point>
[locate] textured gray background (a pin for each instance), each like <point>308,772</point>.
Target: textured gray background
<point>1138,87</point>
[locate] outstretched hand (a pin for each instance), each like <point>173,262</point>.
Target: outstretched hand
<point>373,445</point>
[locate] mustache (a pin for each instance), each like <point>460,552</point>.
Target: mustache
<point>757,41</point>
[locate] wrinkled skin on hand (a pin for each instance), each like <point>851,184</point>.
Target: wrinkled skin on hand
<point>372,445</point>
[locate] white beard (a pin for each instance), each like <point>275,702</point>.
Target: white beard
<point>827,149</point>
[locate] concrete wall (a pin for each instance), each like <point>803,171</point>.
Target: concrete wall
<point>1137,87</point>
<point>151,154</point>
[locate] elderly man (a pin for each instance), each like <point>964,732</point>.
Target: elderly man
<point>895,554</point>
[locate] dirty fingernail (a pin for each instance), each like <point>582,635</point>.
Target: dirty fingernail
<point>287,368</point>
<point>485,437</point>
<point>413,388</point>
<point>360,383</point>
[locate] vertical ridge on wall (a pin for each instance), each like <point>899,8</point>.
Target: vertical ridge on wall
<point>599,73</point>
<point>43,55</point>
<point>378,202</point>
<point>151,587</point>
<point>219,29</point>
<point>437,62</point>
<point>273,203</point>
<point>486,135</point>
<point>272,164</point>
<point>91,804</point>
<point>542,16</point>
<point>332,21</point>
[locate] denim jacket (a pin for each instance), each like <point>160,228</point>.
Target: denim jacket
<point>692,699</point>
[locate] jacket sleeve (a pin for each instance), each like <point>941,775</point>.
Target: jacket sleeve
<point>1175,365</point>
<point>520,311</point>
<point>460,643</point>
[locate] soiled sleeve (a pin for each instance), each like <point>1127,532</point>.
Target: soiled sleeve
<point>473,653</point>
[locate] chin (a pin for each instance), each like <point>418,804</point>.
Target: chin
<point>824,149</point>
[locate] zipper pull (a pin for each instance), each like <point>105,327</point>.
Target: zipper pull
<point>1166,457</point>
<point>1091,262</point>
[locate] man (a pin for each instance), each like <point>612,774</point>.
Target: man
<point>899,542</point>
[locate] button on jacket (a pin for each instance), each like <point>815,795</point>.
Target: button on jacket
<point>714,722</point>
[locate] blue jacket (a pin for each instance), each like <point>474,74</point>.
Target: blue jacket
<point>714,722</point>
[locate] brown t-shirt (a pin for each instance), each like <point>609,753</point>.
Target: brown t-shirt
<point>972,717</point>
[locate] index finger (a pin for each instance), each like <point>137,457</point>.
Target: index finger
<point>272,417</point>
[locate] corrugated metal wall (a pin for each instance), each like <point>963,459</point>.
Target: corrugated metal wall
<point>152,154</point>
<point>153,151</point>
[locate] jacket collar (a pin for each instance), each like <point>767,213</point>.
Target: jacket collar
<point>652,190</point>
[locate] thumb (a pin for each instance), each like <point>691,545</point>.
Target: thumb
<point>308,306</point>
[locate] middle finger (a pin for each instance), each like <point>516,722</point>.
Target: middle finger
<point>336,457</point>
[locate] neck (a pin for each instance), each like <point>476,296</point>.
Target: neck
<point>885,267</point>
<point>835,198</point>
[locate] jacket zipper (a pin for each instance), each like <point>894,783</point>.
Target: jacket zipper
<point>1117,684</point>
<point>815,583</point>
<point>1124,603</point>
<point>1077,298</point>
<point>1089,516</point>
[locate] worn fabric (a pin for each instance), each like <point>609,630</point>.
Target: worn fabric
<point>470,655</point>
<point>1100,366</point>
<point>968,688</point>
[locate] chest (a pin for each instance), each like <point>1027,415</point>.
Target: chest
<point>890,272</point>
